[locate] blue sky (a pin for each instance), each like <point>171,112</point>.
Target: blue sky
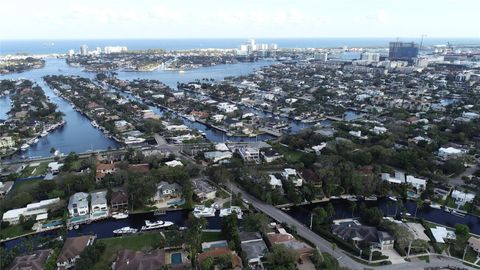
<point>58,19</point>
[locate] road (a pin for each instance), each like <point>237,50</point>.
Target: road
<point>326,246</point>
<point>458,181</point>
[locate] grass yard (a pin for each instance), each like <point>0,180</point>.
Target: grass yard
<point>212,236</point>
<point>31,171</point>
<point>289,155</point>
<point>146,241</point>
<point>12,231</point>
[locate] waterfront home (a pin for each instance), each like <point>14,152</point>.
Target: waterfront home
<point>34,261</point>
<point>450,152</point>
<point>217,156</point>
<point>249,154</point>
<point>227,107</point>
<point>418,183</point>
<point>7,142</point>
<point>270,155</point>
<point>103,169</point>
<point>78,204</point>
<point>442,234</point>
<point>98,201</point>
<point>203,190</point>
<point>121,125</point>
<point>236,261</point>
<point>474,243</point>
<point>218,117</point>
<point>54,167</point>
<point>133,260</point>
<point>72,249</point>
<point>254,249</point>
<point>5,188</point>
<point>293,176</point>
<point>461,198</point>
<point>166,190</point>
<point>352,230</point>
<point>119,199</point>
<point>31,210</point>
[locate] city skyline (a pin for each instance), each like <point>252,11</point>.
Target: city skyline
<point>55,19</point>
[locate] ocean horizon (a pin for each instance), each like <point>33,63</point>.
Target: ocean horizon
<point>48,46</point>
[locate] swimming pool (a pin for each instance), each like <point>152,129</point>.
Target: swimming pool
<point>176,258</point>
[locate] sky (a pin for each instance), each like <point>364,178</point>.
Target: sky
<point>104,19</point>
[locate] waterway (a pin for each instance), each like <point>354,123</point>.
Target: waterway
<point>4,107</point>
<point>342,210</point>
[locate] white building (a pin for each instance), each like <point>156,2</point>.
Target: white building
<point>83,49</point>
<point>419,184</point>
<point>291,175</point>
<point>318,148</point>
<point>173,163</point>
<point>227,107</point>
<point>398,178</point>
<point>370,57</point>
<point>461,198</point>
<point>217,156</point>
<point>450,152</point>
<point>32,209</point>
<point>378,130</point>
<point>274,181</point>
<point>442,234</point>
<point>250,153</point>
<point>78,204</point>
<point>98,201</point>
<point>115,49</point>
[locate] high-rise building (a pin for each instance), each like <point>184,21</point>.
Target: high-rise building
<point>71,53</point>
<point>403,51</point>
<point>321,56</point>
<point>83,49</point>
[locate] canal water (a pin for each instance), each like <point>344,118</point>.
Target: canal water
<point>104,228</point>
<point>342,210</point>
<point>4,107</point>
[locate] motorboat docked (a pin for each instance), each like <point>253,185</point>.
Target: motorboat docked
<point>435,205</point>
<point>393,198</point>
<point>160,224</point>
<point>125,230</point>
<point>24,147</point>
<point>133,140</point>
<point>457,213</point>
<point>120,215</point>
<point>202,211</point>
<point>371,198</point>
<point>233,209</point>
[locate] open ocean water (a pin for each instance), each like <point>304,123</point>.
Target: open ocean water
<point>38,46</point>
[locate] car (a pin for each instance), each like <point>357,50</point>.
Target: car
<point>245,201</point>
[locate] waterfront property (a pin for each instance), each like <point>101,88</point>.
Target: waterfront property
<point>78,204</point>
<point>34,261</point>
<point>38,209</point>
<point>174,258</point>
<point>119,200</point>
<point>72,248</point>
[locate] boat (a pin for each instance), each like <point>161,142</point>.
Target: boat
<point>352,198</point>
<point>392,198</point>
<point>371,198</point>
<point>36,140</point>
<point>120,215</point>
<point>24,147</point>
<point>233,209</point>
<point>458,214</point>
<point>202,211</point>
<point>125,230</point>
<point>133,140</point>
<point>159,212</point>
<point>435,205</point>
<point>202,133</point>
<point>156,225</point>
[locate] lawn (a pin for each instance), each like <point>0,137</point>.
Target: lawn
<point>12,231</point>
<point>31,171</point>
<point>212,236</point>
<point>134,242</point>
<point>289,155</point>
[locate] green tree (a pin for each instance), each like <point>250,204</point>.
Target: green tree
<point>281,258</point>
<point>194,236</point>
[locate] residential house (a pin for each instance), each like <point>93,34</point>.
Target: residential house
<point>293,176</point>
<point>78,204</point>
<point>34,261</point>
<point>249,154</point>
<point>474,243</point>
<point>217,156</point>
<point>274,181</point>
<point>31,210</point>
<point>119,200</point>
<point>166,190</point>
<point>354,231</point>
<point>203,190</point>
<point>418,183</point>
<point>72,249</point>
<point>152,260</point>
<point>5,188</point>
<point>442,234</point>
<point>102,169</point>
<point>450,152</point>
<point>461,198</point>
<point>218,252</point>
<point>254,249</point>
<point>98,201</point>
<point>173,163</point>
<point>289,241</point>
<point>270,155</point>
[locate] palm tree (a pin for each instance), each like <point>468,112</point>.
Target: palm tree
<point>352,207</point>
<point>419,204</point>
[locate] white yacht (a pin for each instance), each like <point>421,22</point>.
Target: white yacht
<point>393,198</point>
<point>202,211</point>
<point>156,225</point>
<point>24,147</point>
<point>125,230</point>
<point>233,209</point>
<point>120,215</point>
<point>371,198</point>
